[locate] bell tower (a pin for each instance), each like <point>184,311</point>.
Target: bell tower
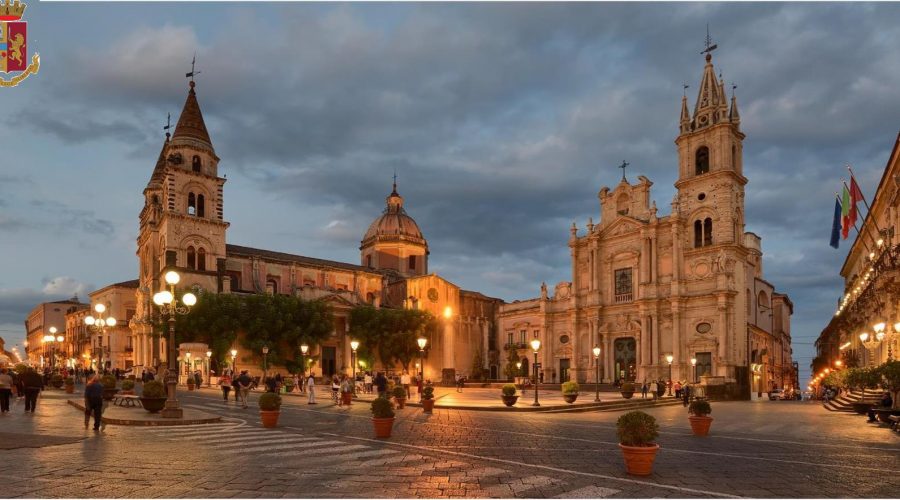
<point>710,168</point>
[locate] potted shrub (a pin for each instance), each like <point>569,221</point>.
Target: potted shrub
<point>109,387</point>
<point>400,395</point>
<point>508,394</point>
<point>428,399</point>
<point>288,385</point>
<point>627,390</point>
<point>70,385</point>
<point>153,398</point>
<point>570,391</point>
<point>128,387</point>
<point>190,382</point>
<point>56,381</point>
<point>382,417</point>
<point>637,432</point>
<point>269,409</point>
<point>698,412</point>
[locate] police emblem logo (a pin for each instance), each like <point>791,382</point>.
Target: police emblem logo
<point>14,60</point>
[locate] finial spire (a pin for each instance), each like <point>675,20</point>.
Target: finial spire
<point>168,125</point>
<point>193,71</point>
<point>709,45</point>
<point>622,166</point>
<point>395,182</point>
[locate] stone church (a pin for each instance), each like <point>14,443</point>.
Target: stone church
<point>647,286</point>
<point>183,227</point>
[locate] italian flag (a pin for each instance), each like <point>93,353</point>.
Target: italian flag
<point>845,213</point>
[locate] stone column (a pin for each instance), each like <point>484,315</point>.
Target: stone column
<point>676,337</point>
<point>722,307</point>
<point>448,345</point>
<point>609,364</point>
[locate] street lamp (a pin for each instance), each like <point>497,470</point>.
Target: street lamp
<point>422,341</point>
<point>669,359</point>
<point>234,362</point>
<point>99,325</point>
<point>596,350</point>
<point>265,350</point>
<point>303,350</point>
<point>354,345</point>
<point>535,346</point>
<point>208,366</point>
<point>168,305</point>
<point>694,365</point>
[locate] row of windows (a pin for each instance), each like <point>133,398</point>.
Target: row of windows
<point>701,159</point>
<point>703,233</point>
<point>523,336</point>
<point>196,259</point>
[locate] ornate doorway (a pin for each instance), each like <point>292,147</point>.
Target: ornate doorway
<point>625,369</point>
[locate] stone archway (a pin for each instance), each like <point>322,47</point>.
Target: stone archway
<point>624,359</point>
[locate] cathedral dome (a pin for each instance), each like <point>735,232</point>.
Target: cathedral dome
<point>394,223</point>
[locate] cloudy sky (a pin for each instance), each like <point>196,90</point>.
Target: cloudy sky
<point>502,120</point>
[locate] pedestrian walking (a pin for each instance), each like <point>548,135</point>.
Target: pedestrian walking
<point>311,388</point>
<point>296,379</point>
<point>405,381</point>
<point>6,387</point>
<point>34,384</point>
<point>686,395</point>
<point>644,389</point>
<point>335,388</point>
<point>367,380</point>
<point>244,382</point>
<point>654,388</point>
<point>225,382</point>
<point>236,385</point>
<point>93,404</point>
<point>380,384</point>
<point>346,388</point>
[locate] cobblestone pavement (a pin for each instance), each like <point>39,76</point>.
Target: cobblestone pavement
<point>757,449</point>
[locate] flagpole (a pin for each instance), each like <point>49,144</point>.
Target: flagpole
<point>864,222</point>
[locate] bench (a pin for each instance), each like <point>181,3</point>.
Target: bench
<point>127,400</point>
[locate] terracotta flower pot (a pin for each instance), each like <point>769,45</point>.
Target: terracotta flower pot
<point>700,425</point>
<point>269,418</point>
<point>509,400</point>
<point>70,389</point>
<point>627,395</point>
<point>639,459</point>
<point>347,398</point>
<point>383,426</point>
<point>190,387</point>
<point>427,405</point>
<point>570,397</point>
<point>401,402</point>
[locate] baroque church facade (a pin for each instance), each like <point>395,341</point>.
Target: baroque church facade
<point>183,227</point>
<point>647,286</point>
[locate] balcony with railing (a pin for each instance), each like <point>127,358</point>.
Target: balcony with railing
<point>622,298</point>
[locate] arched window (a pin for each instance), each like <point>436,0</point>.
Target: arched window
<point>192,204</point>
<point>702,233</point>
<point>191,258</point>
<point>698,234</point>
<point>235,282</point>
<point>734,157</point>
<point>701,162</point>
<point>201,259</point>
<point>622,204</point>
<point>412,262</point>
<point>762,300</point>
<point>201,202</point>
<point>195,163</point>
<point>707,232</point>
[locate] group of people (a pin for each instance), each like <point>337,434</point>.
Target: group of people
<point>24,386</point>
<point>656,388</point>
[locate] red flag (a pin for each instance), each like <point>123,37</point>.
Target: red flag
<point>855,197</point>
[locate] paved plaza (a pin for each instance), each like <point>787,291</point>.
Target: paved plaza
<point>757,449</point>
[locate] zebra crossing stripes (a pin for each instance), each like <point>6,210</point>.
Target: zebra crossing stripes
<point>257,440</point>
<point>590,491</point>
<point>317,451</point>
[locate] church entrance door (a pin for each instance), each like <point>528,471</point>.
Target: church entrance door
<point>625,360</point>
<point>329,355</point>
<point>563,370</point>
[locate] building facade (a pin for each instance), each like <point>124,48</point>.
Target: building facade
<point>646,286</point>
<point>865,329</point>
<point>40,352</point>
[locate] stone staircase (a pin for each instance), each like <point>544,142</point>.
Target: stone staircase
<point>618,405</point>
<point>844,402</point>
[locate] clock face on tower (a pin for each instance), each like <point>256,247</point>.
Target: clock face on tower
<point>433,294</point>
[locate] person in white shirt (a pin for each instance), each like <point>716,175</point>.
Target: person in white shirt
<point>311,388</point>
<point>404,379</point>
<point>368,382</point>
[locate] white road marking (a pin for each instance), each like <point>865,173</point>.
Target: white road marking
<point>510,490</point>
<point>268,447</point>
<point>318,451</point>
<point>589,492</point>
<point>547,467</point>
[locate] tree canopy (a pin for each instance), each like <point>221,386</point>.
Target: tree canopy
<point>281,322</point>
<point>391,333</point>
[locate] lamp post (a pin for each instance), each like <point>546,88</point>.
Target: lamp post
<point>694,367</point>
<point>422,341</point>
<point>265,351</point>
<point>187,367</point>
<point>234,363</point>
<point>208,367</point>
<point>536,346</point>
<point>99,325</point>
<point>354,345</point>
<point>597,380</point>
<point>303,350</point>
<point>669,359</point>
<point>168,305</point>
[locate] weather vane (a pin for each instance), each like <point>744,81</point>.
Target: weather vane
<point>168,124</point>
<point>686,86</point>
<point>709,45</point>
<point>622,166</point>
<point>193,72</point>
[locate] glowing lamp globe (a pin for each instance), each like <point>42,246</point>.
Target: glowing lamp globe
<point>172,278</point>
<point>110,321</point>
<point>535,345</point>
<point>189,299</point>
<point>100,308</point>
<point>596,351</point>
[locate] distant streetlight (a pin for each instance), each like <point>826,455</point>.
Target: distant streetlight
<point>99,325</point>
<point>208,367</point>
<point>694,365</point>
<point>536,346</point>
<point>354,345</point>
<point>669,359</point>
<point>597,380</point>
<point>265,351</point>
<point>422,341</point>
<point>234,362</point>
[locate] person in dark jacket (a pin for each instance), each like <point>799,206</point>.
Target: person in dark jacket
<point>381,383</point>
<point>33,383</point>
<point>93,403</point>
